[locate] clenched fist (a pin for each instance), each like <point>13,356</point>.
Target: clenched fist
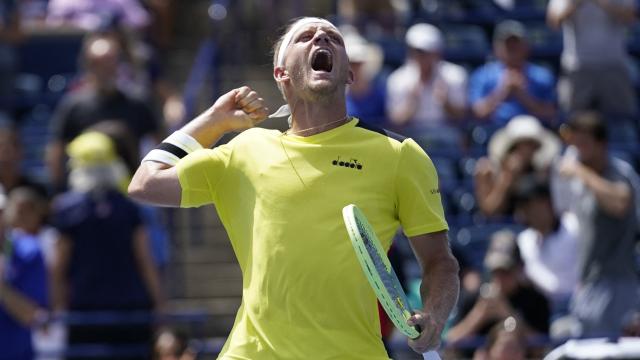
<point>239,109</point>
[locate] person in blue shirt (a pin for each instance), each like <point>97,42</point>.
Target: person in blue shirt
<point>23,289</point>
<point>512,85</point>
<point>367,96</point>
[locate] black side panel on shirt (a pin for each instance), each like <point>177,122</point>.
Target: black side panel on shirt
<point>381,131</point>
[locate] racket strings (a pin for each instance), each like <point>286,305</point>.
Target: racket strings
<point>386,273</point>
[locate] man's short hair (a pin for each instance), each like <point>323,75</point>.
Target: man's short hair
<point>276,47</point>
<point>589,122</point>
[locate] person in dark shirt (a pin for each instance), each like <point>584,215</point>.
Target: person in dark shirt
<point>98,100</point>
<point>507,294</point>
<point>104,260</point>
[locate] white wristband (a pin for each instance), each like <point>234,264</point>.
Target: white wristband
<point>173,148</point>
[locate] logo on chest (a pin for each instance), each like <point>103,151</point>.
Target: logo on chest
<point>351,164</point>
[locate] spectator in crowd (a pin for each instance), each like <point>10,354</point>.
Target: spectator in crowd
<point>91,15</point>
<point>426,91</point>
<point>504,342</point>
<point>23,286</point>
<point>170,344</point>
<point>11,156</point>
<point>367,95</point>
<point>603,196</point>
<point>511,85</point>
<point>100,100</point>
<point>523,147</point>
<point>10,35</point>
<point>103,258</point>
<point>594,58</point>
<point>369,16</point>
<point>549,245</point>
<point>507,294</point>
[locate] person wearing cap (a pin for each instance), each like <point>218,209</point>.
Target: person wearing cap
<point>603,194</point>
<point>280,196</point>
<point>426,91</point>
<point>511,85</point>
<point>549,245</point>
<point>594,60</point>
<point>103,260</point>
<point>522,147</point>
<point>367,95</point>
<point>506,294</point>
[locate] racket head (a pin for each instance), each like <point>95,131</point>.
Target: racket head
<point>378,270</point>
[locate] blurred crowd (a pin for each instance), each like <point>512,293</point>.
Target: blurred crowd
<point>538,159</point>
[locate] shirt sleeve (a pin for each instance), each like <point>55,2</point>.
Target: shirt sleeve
<point>418,194</point>
<point>458,88</point>
<point>477,85</point>
<point>61,121</point>
<point>200,172</point>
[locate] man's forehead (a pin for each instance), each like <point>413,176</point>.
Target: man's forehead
<point>316,25</point>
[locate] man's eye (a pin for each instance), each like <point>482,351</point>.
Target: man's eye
<point>305,37</point>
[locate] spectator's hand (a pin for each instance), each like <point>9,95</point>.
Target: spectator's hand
<point>440,91</point>
<point>429,338</point>
<point>513,165</point>
<point>484,168</point>
<point>569,168</point>
<point>238,109</point>
<point>515,81</point>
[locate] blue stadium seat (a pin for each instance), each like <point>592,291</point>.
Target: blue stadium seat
<point>474,240</point>
<point>466,43</point>
<point>544,41</point>
<point>60,51</point>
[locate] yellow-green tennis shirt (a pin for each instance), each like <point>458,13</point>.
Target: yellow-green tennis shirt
<point>280,198</point>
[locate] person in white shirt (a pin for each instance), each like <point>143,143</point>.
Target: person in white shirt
<point>426,91</point>
<point>549,245</point>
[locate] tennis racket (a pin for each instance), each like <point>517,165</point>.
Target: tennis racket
<point>378,270</point>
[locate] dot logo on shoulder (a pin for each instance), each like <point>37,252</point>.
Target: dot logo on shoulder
<point>351,164</point>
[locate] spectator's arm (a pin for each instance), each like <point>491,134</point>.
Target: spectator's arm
<point>403,110</point>
<point>470,324</point>
<point>147,267</point>
<point>614,197</point>
<point>491,194</point>
<point>55,160</point>
<point>486,106</point>
<point>624,13</point>
<point>59,274</point>
<point>560,10</point>
<point>20,307</point>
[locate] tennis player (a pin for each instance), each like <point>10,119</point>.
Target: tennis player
<point>280,196</point>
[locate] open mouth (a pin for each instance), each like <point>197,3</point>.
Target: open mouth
<point>322,61</point>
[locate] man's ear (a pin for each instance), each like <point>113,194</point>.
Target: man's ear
<point>351,77</point>
<point>280,74</point>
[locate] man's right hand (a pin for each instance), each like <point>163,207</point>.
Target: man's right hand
<point>236,110</point>
<point>239,109</point>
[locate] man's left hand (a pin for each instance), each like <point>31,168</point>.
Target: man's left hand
<point>429,338</point>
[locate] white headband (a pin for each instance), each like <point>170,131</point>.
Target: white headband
<point>288,37</point>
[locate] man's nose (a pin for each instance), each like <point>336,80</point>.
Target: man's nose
<point>321,36</point>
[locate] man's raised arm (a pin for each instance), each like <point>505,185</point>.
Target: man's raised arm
<point>156,180</point>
